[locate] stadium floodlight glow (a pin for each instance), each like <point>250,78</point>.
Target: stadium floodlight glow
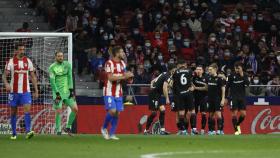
<point>40,48</point>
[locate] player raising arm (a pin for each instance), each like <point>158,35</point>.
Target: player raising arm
<point>19,68</point>
<point>62,88</point>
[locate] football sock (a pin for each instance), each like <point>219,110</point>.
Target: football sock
<point>58,122</point>
<point>108,119</point>
<point>240,120</point>
<point>114,124</point>
<point>203,121</point>
<point>193,120</point>
<point>71,119</point>
<point>182,122</point>
<point>27,121</point>
<point>234,122</point>
<point>161,118</point>
<point>220,124</point>
<point>14,124</point>
<point>150,120</point>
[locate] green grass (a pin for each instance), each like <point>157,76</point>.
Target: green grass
<point>133,146</point>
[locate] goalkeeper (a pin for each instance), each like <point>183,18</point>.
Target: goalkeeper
<point>62,88</point>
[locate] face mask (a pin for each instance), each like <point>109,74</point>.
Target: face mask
<point>178,38</point>
<point>147,65</point>
<point>223,30</point>
<point>188,10</point>
<point>94,22</point>
<point>105,37</point>
<point>136,32</point>
<point>158,16</point>
<point>260,18</point>
<point>183,24</point>
<point>256,81</point>
<point>160,57</point>
<point>86,15</point>
<point>227,53</point>
<point>213,39</point>
<point>214,1</point>
<point>170,42</point>
<point>148,44</point>
<point>157,37</point>
<point>211,50</point>
<point>171,61</point>
<point>245,17</point>
<point>180,4</point>
<point>75,1</point>
<point>128,45</point>
<point>161,1</point>
<point>101,31</point>
<point>250,29</point>
<point>186,44</point>
<point>237,30</point>
<point>195,4</point>
<point>139,16</point>
<point>111,37</point>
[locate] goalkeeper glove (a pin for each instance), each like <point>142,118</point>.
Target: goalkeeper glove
<point>57,98</point>
<point>72,94</point>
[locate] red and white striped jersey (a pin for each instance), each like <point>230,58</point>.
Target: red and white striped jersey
<point>116,69</point>
<point>19,69</point>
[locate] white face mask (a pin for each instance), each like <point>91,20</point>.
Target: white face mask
<point>128,45</point>
<point>213,39</point>
<point>256,81</point>
<point>160,57</point>
<point>187,44</point>
<point>148,44</point>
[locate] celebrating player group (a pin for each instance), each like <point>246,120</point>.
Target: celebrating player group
<point>197,91</point>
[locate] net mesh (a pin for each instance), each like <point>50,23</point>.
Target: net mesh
<point>41,52</point>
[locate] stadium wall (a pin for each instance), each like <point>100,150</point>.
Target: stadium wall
<point>261,119</point>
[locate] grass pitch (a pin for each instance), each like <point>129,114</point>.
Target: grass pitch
<point>139,146</point>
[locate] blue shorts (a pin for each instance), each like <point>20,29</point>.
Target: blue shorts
<point>113,103</point>
<point>15,99</point>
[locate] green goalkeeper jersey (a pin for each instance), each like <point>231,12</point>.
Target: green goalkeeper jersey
<point>61,79</point>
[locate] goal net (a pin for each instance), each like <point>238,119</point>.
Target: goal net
<point>40,48</point>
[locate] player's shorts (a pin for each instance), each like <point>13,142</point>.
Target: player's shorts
<point>214,105</point>
<point>113,103</point>
<point>200,104</point>
<point>68,102</point>
<point>16,99</point>
<point>238,104</point>
<point>154,101</point>
<point>183,102</point>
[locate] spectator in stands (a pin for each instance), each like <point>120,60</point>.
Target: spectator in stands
<point>141,77</point>
<point>81,44</point>
<point>24,28</point>
<point>194,23</point>
<point>273,91</point>
<point>71,22</point>
<point>216,7</point>
<point>256,91</point>
<point>260,24</point>
<point>97,64</point>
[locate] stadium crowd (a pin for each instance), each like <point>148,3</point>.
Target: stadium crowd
<point>158,32</point>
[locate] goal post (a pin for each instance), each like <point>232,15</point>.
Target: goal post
<point>40,48</point>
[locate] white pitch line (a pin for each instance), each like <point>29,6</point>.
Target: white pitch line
<point>157,155</point>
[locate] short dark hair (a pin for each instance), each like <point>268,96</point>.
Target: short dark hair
<point>19,44</point>
<point>200,66</point>
<point>181,61</point>
<point>214,65</point>
<point>171,66</point>
<point>237,64</point>
<point>115,50</point>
